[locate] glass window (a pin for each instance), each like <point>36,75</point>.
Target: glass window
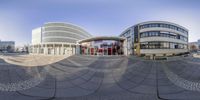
<point>144,45</point>
<point>163,34</point>
<point>164,26</point>
<point>165,45</point>
<point>142,35</point>
<point>172,46</point>
<point>162,45</point>
<point>180,46</point>
<point>161,25</point>
<point>185,46</point>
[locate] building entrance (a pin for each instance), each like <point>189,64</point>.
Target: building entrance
<point>102,46</point>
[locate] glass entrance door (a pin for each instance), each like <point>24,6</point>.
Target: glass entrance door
<point>109,51</point>
<point>105,51</point>
<point>92,51</point>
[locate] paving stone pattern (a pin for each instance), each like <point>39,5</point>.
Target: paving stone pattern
<point>102,78</point>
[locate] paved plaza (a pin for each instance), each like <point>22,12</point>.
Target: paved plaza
<point>31,77</point>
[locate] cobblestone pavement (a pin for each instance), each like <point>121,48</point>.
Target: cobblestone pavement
<point>102,78</point>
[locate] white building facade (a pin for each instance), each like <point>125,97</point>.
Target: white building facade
<point>157,38</point>
<point>128,34</point>
<point>57,38</point>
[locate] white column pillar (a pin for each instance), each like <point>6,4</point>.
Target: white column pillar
<point>38,49</point>
<point>74,50</point>
<point>125,47</point>
<point>111,51</point>
<point>41,47</point>
<point>61,52</point>
<point>33,49</point>
<point>53,49</point>
<point>78,49</point>
<point>70,50</point>
<point>90,51</point>
<point>45,49</point>
<point>57,50</point>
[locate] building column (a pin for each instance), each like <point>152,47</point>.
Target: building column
<point>41,45</point>
<point>111,51</point>
<point>62,50</point>
<point>73,50</point>
<point>33,49</point>
<point>70,49</point>
<point>125,48</point>
<point>45,49</point>
<point>53,49</point>
<point>77,49</point>
<point>59,49</point>
<point>38,48</point>
<point>90,51</point>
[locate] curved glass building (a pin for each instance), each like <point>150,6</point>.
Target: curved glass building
<point>102,45</point>
<point>156,38</point>
<point>57,38</point>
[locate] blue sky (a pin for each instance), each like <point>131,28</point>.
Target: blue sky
<point>98,17</point>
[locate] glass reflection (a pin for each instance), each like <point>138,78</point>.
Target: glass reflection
<point>102,47</point>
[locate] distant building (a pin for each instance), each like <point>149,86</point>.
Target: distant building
<point>193,46</point>
<point>7,46</point>
<point>23,49</point>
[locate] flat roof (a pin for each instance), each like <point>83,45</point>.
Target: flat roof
<point>102,38</point>
<point>165,22</point>
<point>149,22</point>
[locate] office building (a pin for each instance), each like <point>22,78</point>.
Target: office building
<point>156,38</point>
<point>7,46</point>
<point>150,39</point>
<point>57,38</point>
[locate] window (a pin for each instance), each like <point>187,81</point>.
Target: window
<point>180,46</point>
<point>165,45</point>
<point>163,26</point>
<point>144,45</point>
<point>171,45</point>
<point>162,45</point>
<point>154,45</point>
<point>185,46</point>
<point>163,34</point>
<point>141,35</point>
<point>176,46</point>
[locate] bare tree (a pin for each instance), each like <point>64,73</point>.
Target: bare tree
<point>193,48</point>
